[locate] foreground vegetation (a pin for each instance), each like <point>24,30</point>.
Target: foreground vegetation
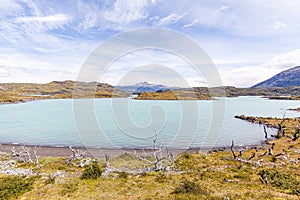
<point>267,171</point>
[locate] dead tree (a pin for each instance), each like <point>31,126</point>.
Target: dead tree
<point>25,154</point>
<point>231,148</point>
<point>108,169</point>
<point>263,154</point>
<point>252,156</point>
<point>77,158</point>
<point>270,150</point>
<point>266,133</point>
<point>36,156</point>
<point>281,153</point>
<point>161,159</point>
<point>281,130</point>
<point>239,157</point>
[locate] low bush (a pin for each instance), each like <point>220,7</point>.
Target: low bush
<point>161,178</point>
<point>50,180</point>
<point>12,187</point>
<point>123,175</point>
<point>68,188</point>
<point>282,180</point>
<point>91,171</point>
<point>189,187</point>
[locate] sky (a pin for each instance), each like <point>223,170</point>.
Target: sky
<point>248,41</point>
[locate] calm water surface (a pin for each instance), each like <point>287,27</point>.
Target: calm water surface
<point>52,122</point>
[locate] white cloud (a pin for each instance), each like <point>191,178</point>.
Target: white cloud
<point>9,7</point>
<point>4,72</point>
<point>279,25</point>
<point>249,18</point>
<point>221,9</point>
<point>125,11</point>
<point>169,20</point>
<point>191,24</point>
<point>90,20</point>
<point>50,18</point>
<point>248,76</point>
<point>58,35</point>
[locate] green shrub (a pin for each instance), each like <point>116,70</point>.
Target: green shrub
<point>68,188</point>
<point>50,180</point>
<point>187,155</point>
<point>282,180</point>
<point>161,178</point>
<point>91,171</point>
<point>189,187</point>
<point>12,187</point>
<point>123,175</point>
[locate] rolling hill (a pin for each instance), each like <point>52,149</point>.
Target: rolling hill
<point>20,92</point>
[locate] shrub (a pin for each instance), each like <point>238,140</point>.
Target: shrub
<point>187,155</point>
<point>282,180</point>
<point>123,175</point>
<point>12,187</point>
<point>161,178</point>
<point>91,171</point>
<point>68,188</point>
<point>50,180</point>
<point>190,187</point>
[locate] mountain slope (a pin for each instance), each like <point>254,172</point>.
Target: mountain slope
<point>287,78</point>
<point>144,87</point>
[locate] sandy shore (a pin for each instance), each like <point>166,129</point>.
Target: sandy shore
<point>49,151</point>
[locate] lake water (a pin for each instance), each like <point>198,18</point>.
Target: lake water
<point>132,123</point>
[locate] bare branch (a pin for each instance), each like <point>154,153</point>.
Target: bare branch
<point>266,133</point>
<point>252,156</point>
<point>77,155</point>
<point>231,148</point>
<point>161,159</point>
<point>265,153</point>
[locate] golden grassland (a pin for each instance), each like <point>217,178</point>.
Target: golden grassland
<point>173,95</point>
<point>204,93</point>
<point>213,175</point>
<point>20,92</point>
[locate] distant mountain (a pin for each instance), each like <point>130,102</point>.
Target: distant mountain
<point>144,87</point>
<point>287,78</point>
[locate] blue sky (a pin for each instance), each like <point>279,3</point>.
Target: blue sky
<point>248,41</point>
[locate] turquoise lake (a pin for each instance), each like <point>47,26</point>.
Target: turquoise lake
<point>129,123</point>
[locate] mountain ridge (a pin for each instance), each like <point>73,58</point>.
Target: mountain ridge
<point>286,78</point>
<point>144,87</point>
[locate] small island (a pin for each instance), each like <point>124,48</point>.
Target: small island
<point>295,109</point>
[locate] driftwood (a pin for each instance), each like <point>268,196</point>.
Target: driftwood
<point>231,149</point>
<point>77,158</point>
<point>159,159</point>
<point>239,157</point>
<point>281,130</point>
<point>27,154</point>
<point>266,133</point>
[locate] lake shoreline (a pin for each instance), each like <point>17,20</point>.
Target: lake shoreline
<point>64,151</point>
